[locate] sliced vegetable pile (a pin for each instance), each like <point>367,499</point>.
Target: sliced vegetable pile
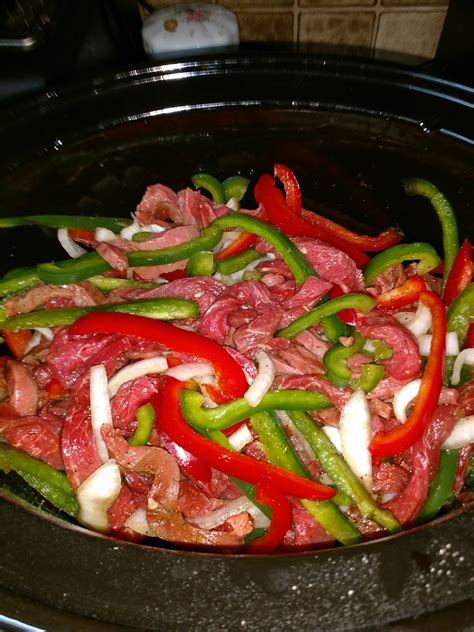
<point>242,380</point>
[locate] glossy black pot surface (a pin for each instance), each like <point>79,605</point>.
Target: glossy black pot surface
<point>351,131</point>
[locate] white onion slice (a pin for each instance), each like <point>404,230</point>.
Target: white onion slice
<point>421,321</point>
<point>404,317</point>
<point>137,522</point>
<point>240,438</point>
<point>465,357</point>
<point>355,433</point>
<point>35,339</point>
<point>69,245</point>
<point>452,344</point>
<point>461,435</point>
<point>219,516</point>
<point>100,408</point>
<point>96,494</point>
<point>403,398</point>
<point>334,435</point>
<point>104,234</point>
<point>263,380</point>
<point>233,204</point>
<point>130,372</point>
<point>188,370</point>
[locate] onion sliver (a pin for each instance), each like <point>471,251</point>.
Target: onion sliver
<point>158,364</point>
<point>219,516</point>
<point>189,370</point>
<point>403,397</point>
<point>104,234</point>
<point>461,435</point>
<point>35,339</point>
<point>452,344</point>
<point>100,408</point>
<point>263,379</point>
<point>421,321</point>
<point>355,433</point>
<point>96,494</point>
<point>465,357</point>
<point>240,438</point>
<point>69,245</point>
<point>137,522</point>
<point>334,435</point>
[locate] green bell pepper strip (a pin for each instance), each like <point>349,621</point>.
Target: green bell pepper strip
<point>201,264</point>
<point>115,224</point>
<point>336,357</point>
<point>211,184</point>
<point>50,483</point>
<point>235,187</point>
<point>340,473</point>
<point>225,415</point>
<point>460,314</point>
<point>333,327</point>
<point>417,251</point>
<point>252,275</point>
<point>279,451</point>
<point>207,240</point>
<point>108,283</point>
<point>444,210</point>
<point>158,308</point>
<point>380,352</point>
<point>294,259</point>
<point>145,422</point>
<point>237,262</point>
<point>72,270</point>
<point>369,378</point>
<point>92,264</point>
<point>10,285</point>
<point>362,302</point>
<point>441,486</point>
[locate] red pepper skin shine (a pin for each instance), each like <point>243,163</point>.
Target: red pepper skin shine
<point>229,374</point>
<point>402,437</point>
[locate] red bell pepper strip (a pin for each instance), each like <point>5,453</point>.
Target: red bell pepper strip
<point>347,316</point>
<point>469,343</point>
<point>83,236</point>
<point>240,466</point>
<point>291,186</point>
<point>401,296</point>
<point>55,390</point>
<point>460,274</point>
<point>402,437</point>
<point>280,215</point>
<point>17,341</point>
<point>173,275</point>
<point>244,241</point>
<point>229,374</point>
<point>386,239</point>
<point>267,493</point>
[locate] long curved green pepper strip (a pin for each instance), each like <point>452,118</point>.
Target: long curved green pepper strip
<point>50,483</point>
<point>280,452</point>
<point>444,210</point>
<point>362,302</point>
<point>441,486</point>
<point>225,415</point>
<point>115,224</point>
<point>294,259</point>
<point>340,473</point>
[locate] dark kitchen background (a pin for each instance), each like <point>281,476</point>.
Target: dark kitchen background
<point>45,41</point>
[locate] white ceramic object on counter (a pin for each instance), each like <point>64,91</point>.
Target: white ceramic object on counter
<point>189,26</point>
